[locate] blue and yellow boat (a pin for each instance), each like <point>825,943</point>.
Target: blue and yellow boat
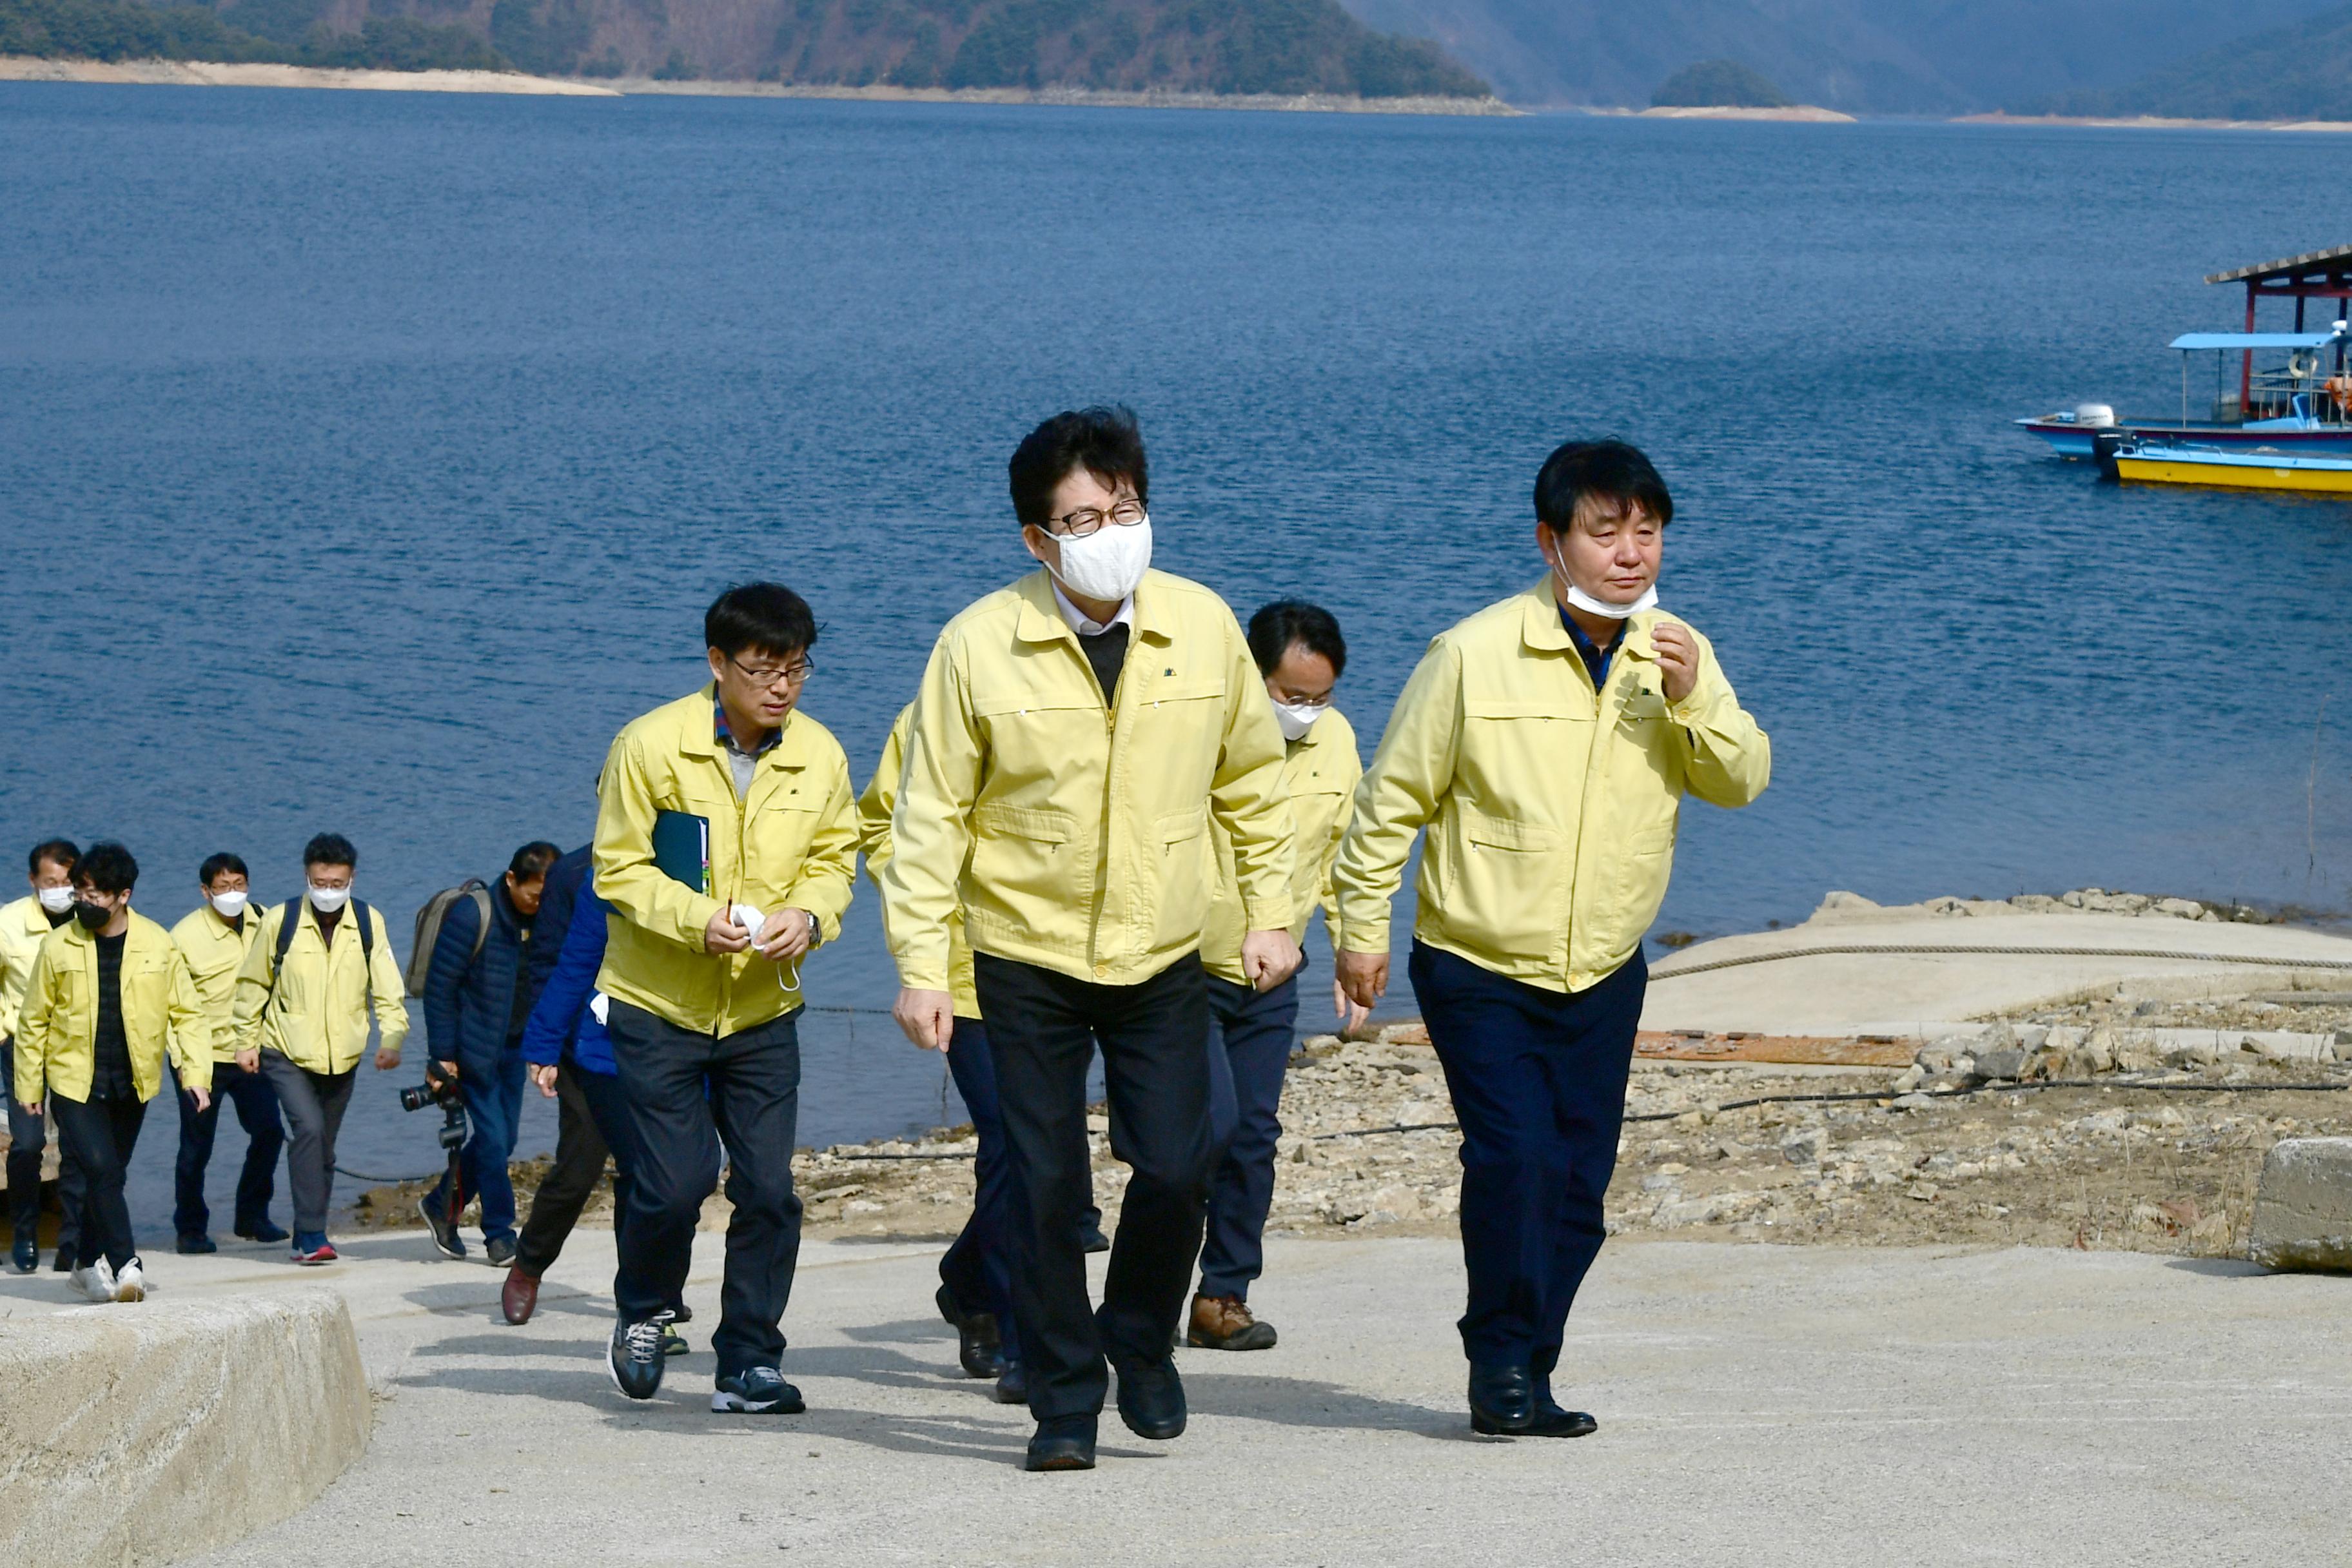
<point>2154,462</point>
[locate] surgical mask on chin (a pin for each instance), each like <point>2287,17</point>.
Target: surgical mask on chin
<point>1577,598</point>
<point>57,900</point>
<point>1107,564</point>
<point>326,901</point>
<point>229,906</point>
<point>1298,718</point>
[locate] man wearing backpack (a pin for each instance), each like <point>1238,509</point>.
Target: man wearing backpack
<point>318,967</point>
<point>476,1004</point>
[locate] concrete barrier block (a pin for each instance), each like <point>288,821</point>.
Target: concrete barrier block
<point>141,1433</point>
<point>2303,1212</point>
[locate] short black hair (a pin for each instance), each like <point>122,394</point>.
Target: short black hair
<point>1611,472</point>
<point>107,868</point>
<point>331,850</point>
<point>760,617</point>
<point>1105,442</point>
<point>57,852</point>
<point>1274,628</point>
<point>216,864</point>
<point>531,862</point>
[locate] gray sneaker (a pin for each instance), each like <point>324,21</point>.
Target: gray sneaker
<point>635,1357</point>
<point>756,1391</point>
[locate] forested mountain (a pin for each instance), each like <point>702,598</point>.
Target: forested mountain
<point>1884,56</point>
<point>1206,46</point>
<point>2298,72</point>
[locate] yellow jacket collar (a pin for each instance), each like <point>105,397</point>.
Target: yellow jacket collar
<point>1541,627</point>
<point>1041,619</point>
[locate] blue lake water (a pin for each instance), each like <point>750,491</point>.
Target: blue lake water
<point>366,459</point>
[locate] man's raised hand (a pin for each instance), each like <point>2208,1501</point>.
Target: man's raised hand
<point>1678,659</point>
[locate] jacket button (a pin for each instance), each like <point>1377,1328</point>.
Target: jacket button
<point>1102,968</point>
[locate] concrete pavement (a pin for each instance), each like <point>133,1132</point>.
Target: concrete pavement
<point>1913,993</point>
<point>1759,1405</point>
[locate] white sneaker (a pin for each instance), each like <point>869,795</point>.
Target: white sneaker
<point>131,1285</point>
<point>95,1281</point>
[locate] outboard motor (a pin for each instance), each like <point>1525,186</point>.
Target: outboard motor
<point>2103,448</point>
<point>2097,415</point>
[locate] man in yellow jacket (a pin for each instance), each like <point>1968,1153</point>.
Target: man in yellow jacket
<point>318,967</point>
<point>1546,743</point>
<point>109,998</point>
<point>216,938</point>
<point>726,843</point>
<point>1300,652</point>
<point>24,925</point>
<point>1074,735</point>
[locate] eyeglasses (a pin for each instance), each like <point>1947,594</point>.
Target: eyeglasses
<point>1089,519</point>
<point>793,674</point>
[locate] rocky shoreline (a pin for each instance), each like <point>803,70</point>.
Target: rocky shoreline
<point>2130,1121</point>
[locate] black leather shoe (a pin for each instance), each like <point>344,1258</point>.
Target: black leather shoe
<point>1551,1421</point>
<point>1150,1398</point>
<point>261,1230</point>
<point>25,1256</point>
<point>1066,1443</point>
<point>197,1245</point>
<point>1012,1385</point>
<point>978,1344</point>
<point>1502,1399</point>
<point>1091,1236</point>
<point>63,1262</point>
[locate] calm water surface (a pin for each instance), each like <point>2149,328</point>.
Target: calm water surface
<point>366,459</point>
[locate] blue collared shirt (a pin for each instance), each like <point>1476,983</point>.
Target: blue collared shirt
<point>1596,659</point>
<point>740,762</point>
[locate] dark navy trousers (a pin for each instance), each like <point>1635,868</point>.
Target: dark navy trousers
<point>978,1269</point>
<point>265,1132</point>
<point>492,1090</point>
<point>1538,1080</point>
<point>1250,1037</point>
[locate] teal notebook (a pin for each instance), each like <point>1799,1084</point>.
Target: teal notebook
<point>682,850</point>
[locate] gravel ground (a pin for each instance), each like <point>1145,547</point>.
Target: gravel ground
<point>1367,1147</point>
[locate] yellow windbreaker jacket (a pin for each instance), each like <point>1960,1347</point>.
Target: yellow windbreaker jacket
<point>1552,808</point>
<point>314,1011</point>
<point>24,926</point>
<point>216,957</point>
<point>874,808</point>
<point>1072,834</point>
<point>791,843</point>
<point>56,1034</point>
<point>1320,776</point>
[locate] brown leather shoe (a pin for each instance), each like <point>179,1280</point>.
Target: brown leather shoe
<point>1224,1323</point>
<point>519,1298</point>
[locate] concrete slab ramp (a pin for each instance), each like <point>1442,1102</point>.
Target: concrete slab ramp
<point>141,1433</point>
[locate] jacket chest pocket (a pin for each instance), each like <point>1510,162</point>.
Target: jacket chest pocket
<point>1523,751</point>
<point>1037,736</point>
<point>778,836</point>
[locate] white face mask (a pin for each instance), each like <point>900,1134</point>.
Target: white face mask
<point>326,901</point>
<point>1583,601</point>
<point>1298,718</point>
<point>57,900</point>
<point>229,906</point>
<point>1107,564</point>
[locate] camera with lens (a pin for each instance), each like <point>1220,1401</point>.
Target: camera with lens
<point>435,1090</point>
<point>442,1090</point>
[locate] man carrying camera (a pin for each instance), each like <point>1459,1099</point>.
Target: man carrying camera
<point>318,965</point>
<point>477,1000</point>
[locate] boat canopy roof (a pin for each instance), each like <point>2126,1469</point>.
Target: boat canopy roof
<point>2252,340</point>
<point>2295,268</point>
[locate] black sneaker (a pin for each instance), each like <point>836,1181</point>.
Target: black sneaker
<point>756,1391</point>
<point>195,1246</point>
<point>636,1356</point>
<point>1150,1398</point>
<point>500,1252</point>
<point>444,1230</point>
<point>260,1230</point>
<point>979,1345</point>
